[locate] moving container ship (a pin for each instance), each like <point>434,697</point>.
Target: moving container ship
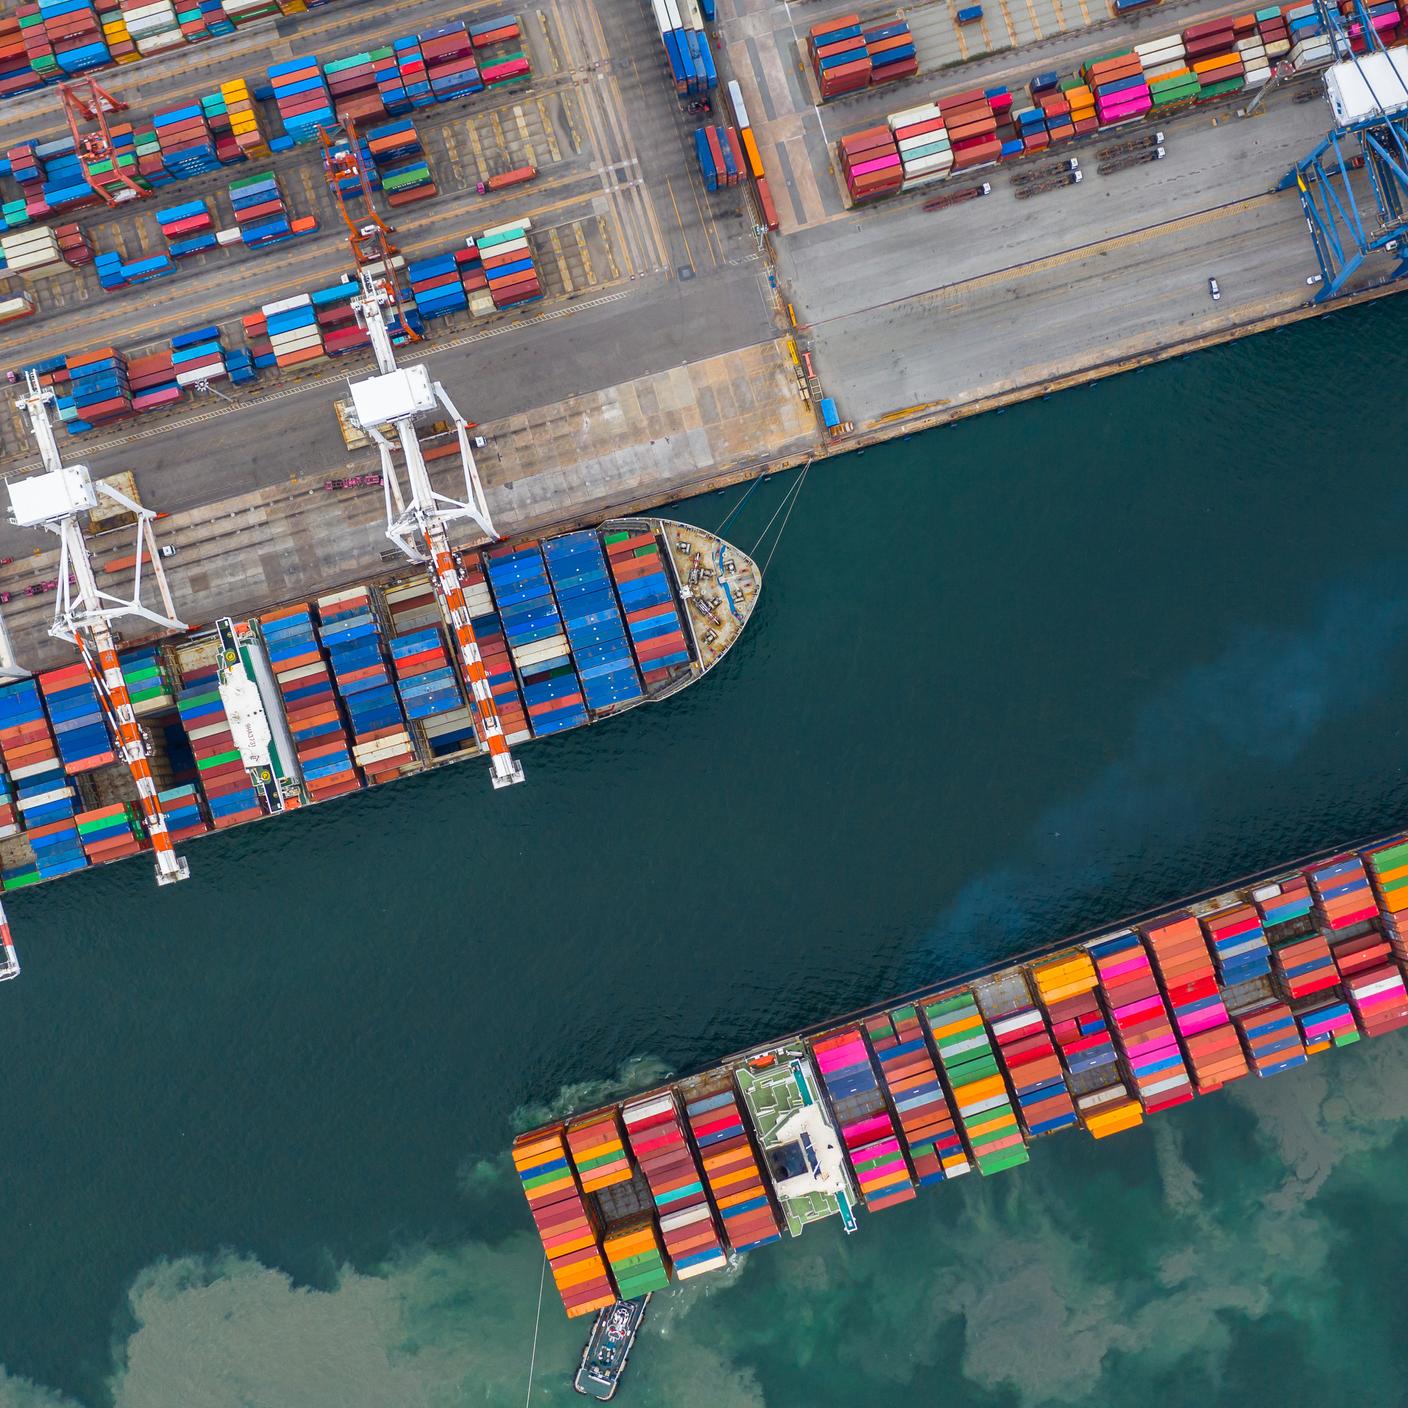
<point>357,687</point>
<point>1100,1032</point>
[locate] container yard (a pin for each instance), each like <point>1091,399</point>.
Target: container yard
<point>756,214</point>
<point>868,1112</point>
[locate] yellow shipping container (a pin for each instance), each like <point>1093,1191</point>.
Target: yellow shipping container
<point>1112,1119</point>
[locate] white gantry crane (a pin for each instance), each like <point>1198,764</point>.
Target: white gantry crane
<point>388,407</point>
<point>55,499</point>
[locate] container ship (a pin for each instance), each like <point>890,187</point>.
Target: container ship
<point>1098,1033</point>
<point>358,687</point>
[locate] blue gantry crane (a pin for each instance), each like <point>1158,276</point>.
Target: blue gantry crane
<point>1368,96</point>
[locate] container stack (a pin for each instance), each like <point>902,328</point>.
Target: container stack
<point>1066,986</point>
<point>79,727</point>
<point>16,75</point>
<point>536,638</point>
<point>187,228</point>
<point>839,56</point>
<point>1304,967</point>
<point>720,154</point>
<point>291,326</point>
<point>676,1183</point>
<point>927,1125</point>
<point>1274,32</point>
<point>923,145</point>
<point>223,776</point>
<point>310,706</point>
<point>75,249</point>
<point>892,52</point>
<point>508,264</point>
<point>337,321</point>
<point>153,381</point>
<point>184,817</point>
<point>1142,1025</point>
<point>1327,1026</point>
<point>1120,87</point>
<point>148,685</point>
<point>351,636</point>
<point>1343,895</point>
<point>1210,51</point>
<point>1034,1071</point>
<point>152,27</point>
<point>979,1092</point>
<point>302,98</point>
<point>598,1153</point>
<point>870,163</point>
<point>197,356</point>
<point>402,170</point>
<point>564,1220</point>
<point>1388,868</point>
<point>99,392</point>
<point>450,62</point>
<point>1373,983</point>
<point>1285,909</point>
<point>657,634</point>
<point>44,797</point>
<point>872,1144</point>
<point>636,1258</point>
<point>425,679</point>
<point>971,124</point>
<point>73,34</point>
<point>109,833</point>
<point>232,111</point>
<point>261,216</point>
<point>1271,1038</point>
<point>1311,46</point>
<point>493,649</point>
<point>1239,944</point>
<point>435,286</point>
<point>687,51</point>
<point>730,1167</point>
<point>187,143</point>
<point>352,86</point>
<point>33,252</point>
<point>114,273</point>
<point>1185,968</point>
<point>1251,52</point>
<point>595,631</point>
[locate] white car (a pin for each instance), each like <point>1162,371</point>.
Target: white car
<point>1214,290</point>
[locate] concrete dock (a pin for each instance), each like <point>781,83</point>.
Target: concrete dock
<point>659,361</point>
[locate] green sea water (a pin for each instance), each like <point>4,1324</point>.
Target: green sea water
<point>1006,681</point>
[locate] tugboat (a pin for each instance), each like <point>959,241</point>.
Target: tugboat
<point>604,1358</point>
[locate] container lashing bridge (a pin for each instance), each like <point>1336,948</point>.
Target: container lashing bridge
<point>389,406</point>
<point>55,499</point>
<point>1368,95</point>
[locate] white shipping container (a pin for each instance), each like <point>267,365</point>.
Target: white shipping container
<point>20,306</point>
<point>925,112</point>
<point>1151,46</point>
<point>924,139</point>
<point>1165,70</point>
<point>521,226</point>
<point>287,305</point>
<point>941,163</point>
<point>224,237</point>
<point>189,375</point>
<point>1255,77</point>
<point>912,182</point>
<point>1175,53</point>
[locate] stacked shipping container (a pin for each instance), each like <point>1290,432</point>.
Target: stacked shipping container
<point>656,631</point>
<point>676,1183</point>
<point>1185,968</point>
<point>1034,1071</point>
<point>309,703</point>
<point>979,1092</point>
<point>935,1149</point>
<point>867,1131</point>
<point>564,1221</point>
<point>225,780</point>
<point>730,1167</point>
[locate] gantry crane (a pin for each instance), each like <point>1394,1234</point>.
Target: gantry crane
<point>1368,97</point>
<point>83,613</point>
<point>388,407</point>
<point>86,100</point>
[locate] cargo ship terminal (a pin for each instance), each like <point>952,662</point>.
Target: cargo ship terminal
<point>755,316</point>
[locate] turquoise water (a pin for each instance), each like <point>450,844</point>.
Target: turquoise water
<point>1006,681</point>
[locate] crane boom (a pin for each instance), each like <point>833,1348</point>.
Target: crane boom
<point>84,611</point>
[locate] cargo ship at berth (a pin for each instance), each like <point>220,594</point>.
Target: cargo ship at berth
<point>1100,1032</point>
<point>359,686</point>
